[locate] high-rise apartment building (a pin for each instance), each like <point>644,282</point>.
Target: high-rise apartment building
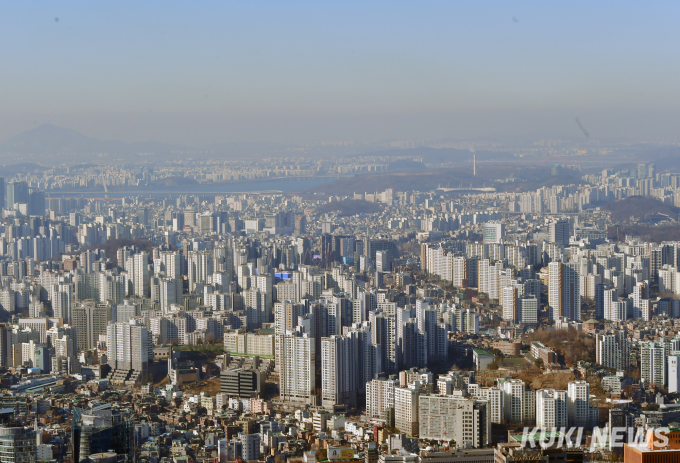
<point>551,409</point>
<point>62,301</point>
<point>141,274</point>
<point>171,293</point>
<point>339,369</point>
<point>90,320</point>
<point>612,350</point>
<point>297,373</point>
<point>509,303</point>
<point>380,397</point>
<point>467,421</point>
<point>653,359</point>
<point>513,401</point>
<point>578,403</point>
<point>128,347</point>
<point>467,321</point>
<point>564,299</point>
<point>494,398</point>
<point>406,407</point>
<point>673,373</point>
<point>200,266</point>
<point>170,264</point>
<point>493,232</point>
<point>528,309</point>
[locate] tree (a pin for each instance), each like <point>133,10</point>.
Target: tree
<point>497,353</point>
<point>635,374</point>
<point>539,363</point>
<point>629,391</point>
<point>570,344</point>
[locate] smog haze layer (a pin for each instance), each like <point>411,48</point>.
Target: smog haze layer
<point>364,72</point>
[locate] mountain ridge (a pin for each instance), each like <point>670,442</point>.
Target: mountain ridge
<point>47,140</point>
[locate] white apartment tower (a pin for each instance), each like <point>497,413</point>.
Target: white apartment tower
<point>653,364</point>
<point>513,401</point>
<point>200,266</point>
<point>170,261</point>
<point>493,232</point>
<point>494,403</point>
<point>509,303</point>
<point>380,397</point>
<point>456,418</point>
<point>551,409</point>
<point>528,309</point>
<point>297,375</point>
<point>406,407</point>
<point>62,301</point>
<point>170,293</point>
<point>578,403</point>
<point>141,274</point>
<point>468,321</point>
<point>128,347</point>
<point>339,368</point>
<point>673,373</point>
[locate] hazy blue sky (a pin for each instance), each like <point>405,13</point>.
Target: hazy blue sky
<point>200,72</point>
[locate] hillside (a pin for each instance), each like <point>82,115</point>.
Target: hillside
<point>536,379</point>
<point>651,233</point>
<point>569,345</point>
<point>350,207</point>
<point>640,208</point>
<point>524,178</point>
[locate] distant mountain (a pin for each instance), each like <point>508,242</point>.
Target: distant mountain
<point>21,168</point>
<point>48,137</point>
<point>49,143</point>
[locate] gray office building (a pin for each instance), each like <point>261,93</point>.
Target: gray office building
<point>17,192</point>
<point>241,382</point>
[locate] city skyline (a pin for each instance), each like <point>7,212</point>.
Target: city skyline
<point>357,232</point>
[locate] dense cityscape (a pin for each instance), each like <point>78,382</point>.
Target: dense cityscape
<point>381,326</point>
<point>339,232</point>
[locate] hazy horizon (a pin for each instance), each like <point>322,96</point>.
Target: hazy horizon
<point>304,72</point>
